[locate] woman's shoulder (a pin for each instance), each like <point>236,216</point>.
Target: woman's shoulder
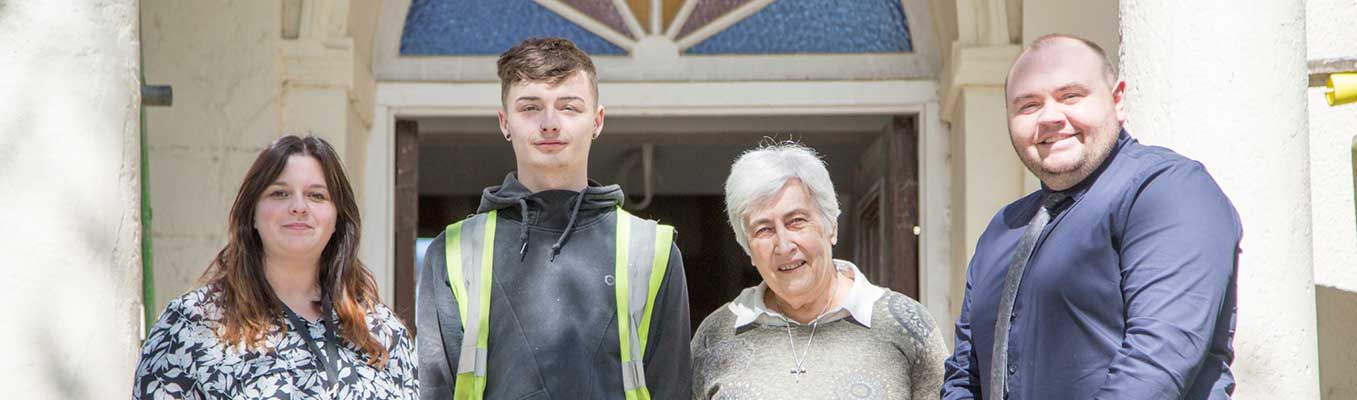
<point>906,312</point>
<point>897,300</point>
<point>718,324</point>
<point>913,331</point>
<point>381,314</point>
<point>382,321</point>
<point>199,306</point>
<point>913,328</point>
<point>186,326</point>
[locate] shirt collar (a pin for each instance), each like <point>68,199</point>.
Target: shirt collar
<point>748,307</point>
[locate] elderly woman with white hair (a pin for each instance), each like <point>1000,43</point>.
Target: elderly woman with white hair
<point>815,328</point>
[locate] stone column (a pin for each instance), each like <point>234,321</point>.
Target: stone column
<point>1224,83</point>
<point>327,88</point>
<point>70,242</point>
<point>986,174</point>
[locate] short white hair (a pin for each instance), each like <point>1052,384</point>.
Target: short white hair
<point>758,175</point>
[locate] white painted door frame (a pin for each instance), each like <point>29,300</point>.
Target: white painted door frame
<point>667,99</point>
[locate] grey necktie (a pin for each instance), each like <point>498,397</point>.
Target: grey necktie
<point>999,368</point>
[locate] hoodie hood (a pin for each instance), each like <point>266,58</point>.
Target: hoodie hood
<point>552,210</point>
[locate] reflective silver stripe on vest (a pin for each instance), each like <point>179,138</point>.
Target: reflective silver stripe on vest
<point>640,257</point>
<point>633,374</point>
<point>472,359</point>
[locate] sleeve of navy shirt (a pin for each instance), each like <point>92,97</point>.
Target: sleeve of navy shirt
<point>962,376</point>
<point>667,359</point>
<point>1178,241</point>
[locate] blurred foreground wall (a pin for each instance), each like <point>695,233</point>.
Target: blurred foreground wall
<point>70,231</point>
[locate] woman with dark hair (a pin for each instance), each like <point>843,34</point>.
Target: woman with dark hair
<point>286,309</point>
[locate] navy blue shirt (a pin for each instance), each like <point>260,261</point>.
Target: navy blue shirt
<point>1129,293</point>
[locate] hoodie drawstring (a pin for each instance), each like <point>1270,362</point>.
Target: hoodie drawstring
<point>556,248</point>
<point>523,234</point>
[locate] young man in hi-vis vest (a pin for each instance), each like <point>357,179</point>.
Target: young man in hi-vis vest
<point>552,291</point>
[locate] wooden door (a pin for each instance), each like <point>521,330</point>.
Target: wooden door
<point>406,220</point>
<point>885,212</point>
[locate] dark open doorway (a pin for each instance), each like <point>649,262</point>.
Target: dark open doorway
<point>443,163</point>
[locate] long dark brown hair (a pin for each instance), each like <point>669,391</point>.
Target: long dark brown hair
<point>249,306</point>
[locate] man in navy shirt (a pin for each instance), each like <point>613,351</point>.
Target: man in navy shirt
<point>1116,280</point>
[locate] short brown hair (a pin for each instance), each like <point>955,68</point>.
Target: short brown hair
<point>549,60</point>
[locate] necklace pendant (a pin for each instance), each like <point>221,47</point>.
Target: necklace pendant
<point>796,372</point>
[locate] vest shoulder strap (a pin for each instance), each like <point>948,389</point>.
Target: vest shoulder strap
<point>641,263</point>
<point>470,242</point>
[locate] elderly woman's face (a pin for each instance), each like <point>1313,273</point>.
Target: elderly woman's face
<point>790,243</point>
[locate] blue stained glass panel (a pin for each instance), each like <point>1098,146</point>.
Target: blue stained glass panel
<point>488,27</point>
<point>815,26</point>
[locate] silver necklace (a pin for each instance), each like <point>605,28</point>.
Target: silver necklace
<point>797,369</point>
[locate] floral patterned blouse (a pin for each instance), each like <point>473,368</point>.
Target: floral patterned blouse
<point>183,358</point>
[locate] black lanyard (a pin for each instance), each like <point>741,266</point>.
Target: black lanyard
<point>330,358</point>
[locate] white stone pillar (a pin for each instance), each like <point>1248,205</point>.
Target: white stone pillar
<point>975,64</point>
<point>1224,83</point>
<point>986,173</point>
<point>70,231</point>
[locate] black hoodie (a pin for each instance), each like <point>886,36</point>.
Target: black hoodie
<point>553,317</point>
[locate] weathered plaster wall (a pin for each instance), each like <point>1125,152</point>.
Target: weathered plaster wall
<point>1229,91</point>
<point>1093,20</point>
<point>1337,333</point>
<point>362,95</point>
<point>992,177</point>
<point>221,59</point>
<point>1330,34</point>
<point>238,84</point>
<point>70,261</point>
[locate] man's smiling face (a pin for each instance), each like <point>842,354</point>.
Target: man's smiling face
<point>1064,111</point>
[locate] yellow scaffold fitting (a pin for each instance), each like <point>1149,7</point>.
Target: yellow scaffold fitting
<point>1342,88</point>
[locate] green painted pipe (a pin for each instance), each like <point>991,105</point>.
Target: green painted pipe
<point>147,261</point>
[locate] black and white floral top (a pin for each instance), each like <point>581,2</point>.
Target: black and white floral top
<point>183,358</point>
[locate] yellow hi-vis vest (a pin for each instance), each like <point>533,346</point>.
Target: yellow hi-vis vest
<point>642,256</point>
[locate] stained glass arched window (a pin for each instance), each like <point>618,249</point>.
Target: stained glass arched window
<point>807,26</point>
<point>696,27</point>
<point>489,27</point>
